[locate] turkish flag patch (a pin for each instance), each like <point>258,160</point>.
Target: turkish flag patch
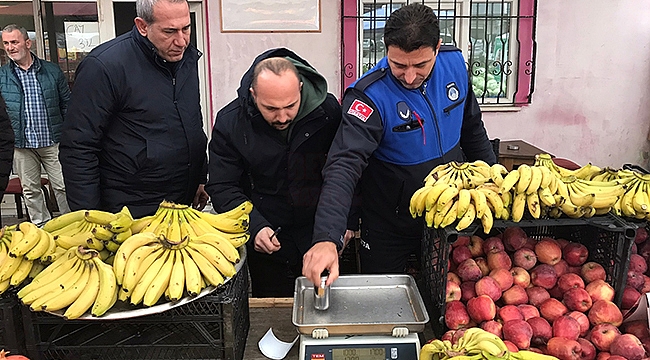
<point>360,110</point>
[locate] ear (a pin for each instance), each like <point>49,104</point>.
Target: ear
<point>28,43</point>
<point>252,91</point>
<point>438,47</point>
<point>141,25</point>
<point>301,86</point>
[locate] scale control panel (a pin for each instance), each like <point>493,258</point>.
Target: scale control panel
<point>361,348</point>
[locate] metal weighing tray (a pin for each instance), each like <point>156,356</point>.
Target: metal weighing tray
<point>361,305</point>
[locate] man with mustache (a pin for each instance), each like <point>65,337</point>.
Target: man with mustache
<point>36,93</point>
<point>269,146</point>
<point>134,132</point>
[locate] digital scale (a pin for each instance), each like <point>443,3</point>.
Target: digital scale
<point>370,317</point>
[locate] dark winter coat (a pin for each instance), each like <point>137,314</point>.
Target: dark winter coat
<point>6,146</point>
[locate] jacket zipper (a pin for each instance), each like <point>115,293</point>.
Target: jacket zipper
<point>423,91</point>
<point>453,106</point>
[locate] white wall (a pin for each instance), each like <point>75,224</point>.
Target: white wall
<point>231,54</point>
<point>592,85</point>
<point>592,81</point>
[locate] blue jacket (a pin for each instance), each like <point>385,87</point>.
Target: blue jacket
<point>55,91</point>
<point>133,134</point>
<point>391,137</point>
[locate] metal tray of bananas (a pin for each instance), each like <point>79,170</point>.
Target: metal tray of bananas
<point>122,310</point>
<point>361,304</point>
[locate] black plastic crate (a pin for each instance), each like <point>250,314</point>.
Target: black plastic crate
<point>212,327</point>
<point>11,327</point>
<point>608,238</point>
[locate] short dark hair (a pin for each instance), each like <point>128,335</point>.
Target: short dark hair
<point>276,65</point>
<point>412,27</point>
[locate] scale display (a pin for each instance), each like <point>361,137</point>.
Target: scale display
<point>359,354</point>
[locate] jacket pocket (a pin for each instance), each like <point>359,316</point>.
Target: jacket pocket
<point>451,107</point>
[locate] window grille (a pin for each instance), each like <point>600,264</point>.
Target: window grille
<point>497,38</point>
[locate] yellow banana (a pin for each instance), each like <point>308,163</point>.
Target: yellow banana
<point>22,242</point>
<point>107,289</point>
<point>525,176</point>
<point>433,195</point>
<point>447,196</point>
<point>518,206</point>
<point>86,299</point>
<point>174,230</point>
<point>192,274</point>
<point>496,173</point>
<point>464,199</point>
<point>222,244</point>
<point>535,180</point>
<point>41,247</point>
<point>121,223</point>
<point>487,220</point>
<point>102,233</point>
<point>509,181</point>
<point>494,199</point>
<point>122,236</point>
<point>99,217</point>
<point>127,248</point>
<point>68,242</point>
<point>70,229</point>
<point>429,217</point>
<point>69,295</point>
<point>215,257</point>
<point>137,264</point>
<point>9,267</point>
<point>480,202</point>
<point>244,208</point>
<point>417,202</point>
<point>578,197</point>
<point>534,207</point>
<point>547,176</point>
<point>451,215</point>
<point>111,246</point>
<point>140,289</point>
<point>467,219</point>
<point>139,224</point>
<point>177,278</point>
<point>37,267</point>
<point>21,273</point>
<point>51,273</point>
<point>440,215</point>
<point>239,240</point>
<point>211,274</point>
<point>54,288</point>
<point>545,196</point>
<point>222,223</point>
<point>157,220</point>
<point>4,285</point>
<point>161,281</point>
<point>64,220</point>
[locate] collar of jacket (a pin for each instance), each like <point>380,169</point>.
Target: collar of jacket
<point>36,63</point>
<point>190,54</point>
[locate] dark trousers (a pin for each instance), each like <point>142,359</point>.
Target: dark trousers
<point>270,277</point>
<point>382,252</point>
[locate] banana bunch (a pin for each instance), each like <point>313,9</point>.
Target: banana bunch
<point>461,193</point>
<point>148,266</point>
<point>77,281</point>
<point>22,249</point>
<point>586,198</point>
<point>585,172</point>
<point>635,201</point>
<point>475,344</point>
<point>531,188</point>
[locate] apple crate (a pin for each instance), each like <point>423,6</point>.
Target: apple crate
<point>608,238</point>
<point>212,327</point>
<point>11,332</point>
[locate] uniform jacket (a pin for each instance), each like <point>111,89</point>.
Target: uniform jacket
<point>391,137</point>
<point>6,146</point>
<point>249,159</point>
<point>55,92</point>
<point>133,134</point>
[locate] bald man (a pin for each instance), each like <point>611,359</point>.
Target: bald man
<point>269,146</point>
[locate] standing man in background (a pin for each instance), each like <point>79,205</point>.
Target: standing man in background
<point>412,111</point>
<point>36,93</point>
<point>134,133</point>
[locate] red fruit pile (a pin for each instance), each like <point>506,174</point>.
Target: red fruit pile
<point>541,295</point>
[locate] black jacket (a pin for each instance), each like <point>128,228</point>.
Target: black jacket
<point>6,146</point>
<point>251,160</point>
<point>133,134</point>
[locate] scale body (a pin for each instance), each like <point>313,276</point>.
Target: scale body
<point>360,347</point>
<point>370,317</point>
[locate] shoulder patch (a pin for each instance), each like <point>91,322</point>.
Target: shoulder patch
<point>448,48</point>
<point>360,110</point>
<point>367,80</point>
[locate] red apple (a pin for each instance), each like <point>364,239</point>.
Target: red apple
<point>592,271</point>
<point>467,290</point>
<point>605,312</point>
<point>520,277</point>
<point>516,295</point>
<point>635,280</point>
<point>641,235</point>
<point>588,349</point>
<point>530,244</point>
<point>492,244</point>
<point>460,241</point>
<point>511,346</point>
<point>453,277</point>
<point>528,311</point>
<point>543,275</point>
<point>575,254</point>
<point>603,355</point>
<point>457,335</point>
<point>449,335</point>
<point>524,258</point>
<point>456,315</point>
<point>552,309</point>
<point>542,330</point>
<point>646,284</point>
<point>503,277</point>
<point>638,328</point>
<point>499,260</point>
<point>583,320</point>
<point>570,281</point>
<point>563,349</point>
<point>481,308</point>
<point>600,290</point>
<point>574,269</point>
<point>514,238</point>
<point>453,292</point>
<point>519,332</point>
<point>577,299</point>
<point>556,292</point>
<point>476,246</point>
<point>561,268</point>
<point>602,336</point>
<point>488,286</point>
<point>483,265</point>
<point>566,327</point>
<point>635,249</point>
<point>638,264</point>
<point>630,297</point>
<point>460,254</point>
<point>493,327</point>
<point>548,251</point>
<point>644,250</point>
<point>510,312</point>
<point>469,271</point>
<point>537,295</point>
<point>562,242</point>
<point>627,346</point>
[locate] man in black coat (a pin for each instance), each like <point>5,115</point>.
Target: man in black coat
<point>6,147</point>
<point>133,134</point>
<point>269,146</point>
